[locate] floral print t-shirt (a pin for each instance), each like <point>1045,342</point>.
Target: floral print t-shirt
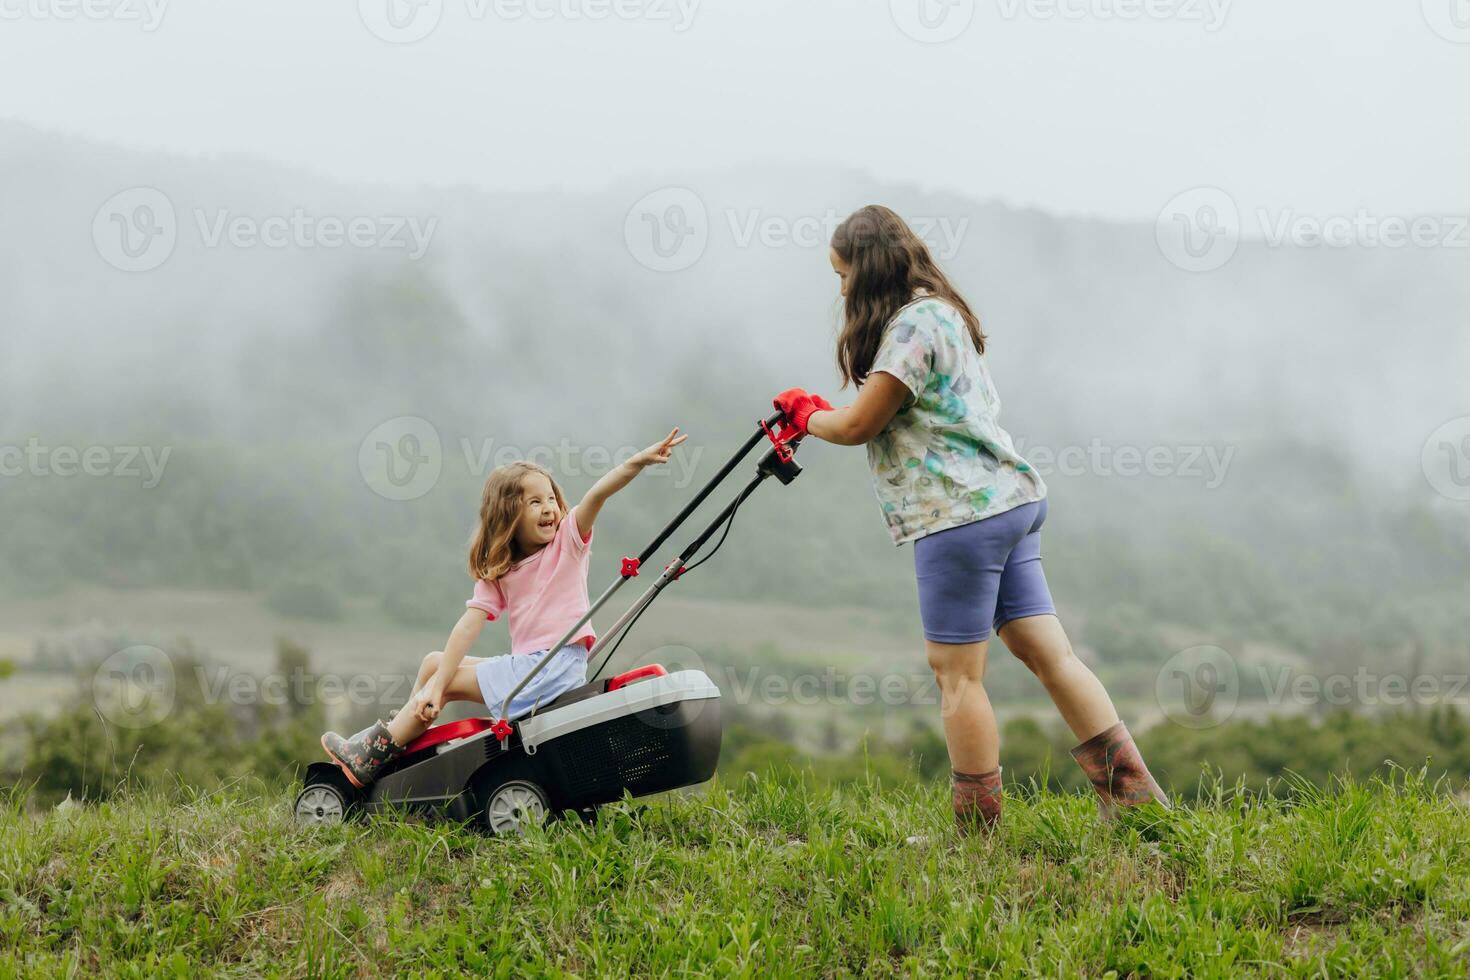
<point>943,460</point>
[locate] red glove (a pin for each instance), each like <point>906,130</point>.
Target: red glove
<point>799,405</point>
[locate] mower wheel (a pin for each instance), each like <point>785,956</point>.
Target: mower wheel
<point>326,800</point>
<point>514,806</point>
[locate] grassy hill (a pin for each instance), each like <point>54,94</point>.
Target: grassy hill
<point>755,877</point>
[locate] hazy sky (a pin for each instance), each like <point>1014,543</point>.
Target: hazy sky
<point>1105,107</point>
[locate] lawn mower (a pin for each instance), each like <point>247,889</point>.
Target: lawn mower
<point>644,731</point>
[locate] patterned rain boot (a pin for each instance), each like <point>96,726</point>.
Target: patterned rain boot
<point>1115,768</point>
<point>362,755</point>
<point>977,800</point>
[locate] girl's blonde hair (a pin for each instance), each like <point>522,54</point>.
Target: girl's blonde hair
<point>493,547</point>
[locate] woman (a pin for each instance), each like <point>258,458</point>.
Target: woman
<point>949,479</point>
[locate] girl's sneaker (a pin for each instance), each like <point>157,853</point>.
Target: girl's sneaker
<point>362,755</point>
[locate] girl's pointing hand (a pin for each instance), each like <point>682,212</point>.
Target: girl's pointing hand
<point>660,453</point>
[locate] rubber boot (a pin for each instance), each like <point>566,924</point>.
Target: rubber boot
<point>362,755</point>
<point>977,800</point>
<point>1115,768</point>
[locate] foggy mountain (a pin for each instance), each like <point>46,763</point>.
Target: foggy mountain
<point>532,318</point>
<point>264,324</point>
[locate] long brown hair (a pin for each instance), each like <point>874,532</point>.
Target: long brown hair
<point>493,548</point>
<point>887,263</point>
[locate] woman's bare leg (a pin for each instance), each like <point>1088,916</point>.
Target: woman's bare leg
<point>1041,644</point>
<point>969,721</point>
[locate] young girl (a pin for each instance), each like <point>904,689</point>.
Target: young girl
<point>949,479</point>
<point>529,560</point>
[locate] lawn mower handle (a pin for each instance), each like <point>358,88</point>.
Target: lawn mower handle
<point>709,487</point>
<point>630,566</point>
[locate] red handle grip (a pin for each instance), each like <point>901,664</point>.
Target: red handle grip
<point>636,674</point>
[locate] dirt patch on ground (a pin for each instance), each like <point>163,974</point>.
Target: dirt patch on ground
<point>341,885</point>
<point>1302,939</point>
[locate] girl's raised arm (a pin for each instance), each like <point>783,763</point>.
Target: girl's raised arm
<point>655,455</point>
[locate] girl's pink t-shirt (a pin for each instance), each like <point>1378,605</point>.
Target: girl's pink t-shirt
<point>544,594</point>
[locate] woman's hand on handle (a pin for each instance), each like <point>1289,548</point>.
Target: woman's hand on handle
<point>878,401</point>
<point>799,405</point>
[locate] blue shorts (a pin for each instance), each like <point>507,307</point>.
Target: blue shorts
<point>980,576</point>
<point>498,676</point>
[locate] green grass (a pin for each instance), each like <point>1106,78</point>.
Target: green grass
<point>757,877</point>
